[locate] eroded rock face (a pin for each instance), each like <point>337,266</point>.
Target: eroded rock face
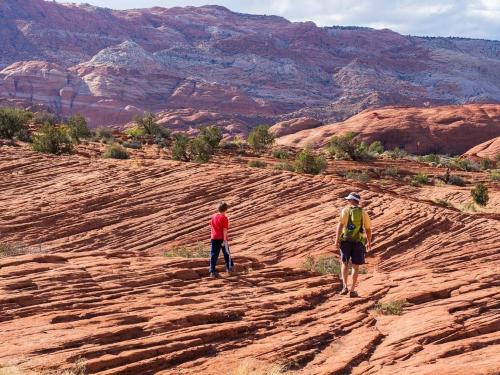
<point>93,283</point>
<point>293,126</point>
<point>445,129</point>
<point>489,149</point>
<point>212,59</point>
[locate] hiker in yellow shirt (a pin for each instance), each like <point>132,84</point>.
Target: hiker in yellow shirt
<point>353,232</point>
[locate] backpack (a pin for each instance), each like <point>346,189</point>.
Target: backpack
<point>353,231</point>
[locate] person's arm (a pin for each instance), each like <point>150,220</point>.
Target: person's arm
<point>368,239</point>
<point>340,227</point>
<point>225,229</point>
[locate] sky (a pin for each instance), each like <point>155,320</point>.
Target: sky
<point>464,18</point>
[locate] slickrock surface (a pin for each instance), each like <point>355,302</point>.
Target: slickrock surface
<point>443,129</point>
<point>99,288</point>
<point>109,65</point>
<point>489,149</point>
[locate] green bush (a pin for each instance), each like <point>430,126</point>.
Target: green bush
<point>52,140</point>
<point>135,132</point>
<point>180,147</point>
<point>468,207</point>
<point>420,178</point>
<point>390,308</point>
<point>260,138</point>
<point>465,165</point>
<point>13,121</point>
<point>431,158</point>
<point>77,128</point>
<point>495,176</point>
<point>487,164</point>
<point>456,180</point>
<point>376,147</point>
<point>359,176</point>
<point>197,251</point>
<point>115,151</point>
<point>284,167</point>
<point>480,194</point>
<point>256,164</point>
<point>280,154</point>
<point>212,135</point>
<point>347,147</point>
<point>200,149</point>
<point>147,125</point>
<point>307,162</point>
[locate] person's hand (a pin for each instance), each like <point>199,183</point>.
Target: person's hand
<point>337,245</point>
<point>225,244</point>
<point>368,247</point>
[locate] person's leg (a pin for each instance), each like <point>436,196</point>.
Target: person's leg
<point>227,258</point>
<point>358,258</point>
<point>355,272</point>
<point>345,254</point>
<point>214,254</point>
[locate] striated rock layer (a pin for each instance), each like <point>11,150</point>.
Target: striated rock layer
<point>95,284</point>
<point>489,149</point>
<point>110,64</point>
<point>444,129</point>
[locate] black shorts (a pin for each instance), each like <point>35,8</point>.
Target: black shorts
<point>352,250</point>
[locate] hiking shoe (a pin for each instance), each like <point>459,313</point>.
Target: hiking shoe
<point>353,294</point>
<point>344,290</point>
<point>214,274</point>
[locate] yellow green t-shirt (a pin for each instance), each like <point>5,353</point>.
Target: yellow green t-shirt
<point>344,218</point>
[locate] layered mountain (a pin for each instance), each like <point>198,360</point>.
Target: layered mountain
<point>242,69</point>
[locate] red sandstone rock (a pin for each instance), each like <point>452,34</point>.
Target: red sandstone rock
<point>445,129</point>
<point>93,283</point>
<point>489,149</point>
<point>293,126</point>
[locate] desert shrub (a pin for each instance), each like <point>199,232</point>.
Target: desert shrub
<point>115,151</point>
<point>102,133</point>
<point>397,153</point>
<point>135,132</point>
<point>6,248</point>
<point>147,125</point>
<point>480,194</point>
<point>77,128</point>
<point>456,180</point>
<point>347,147</point>
<point>180,147</point>
<point>495,176</point>
<point>200,149</point>
<point>443,202</point>
<point>13,121</point>
<point>419,179</point>
<point>465,165</point>
<point>252,367</point>
<point>41,118</point>
<point>212,135</point>
<point>284,167</point>
<point>359,176</point>
<point>260,138</point>
<point>486,164</point>
<point>391,171</point>
<point>52,140</point>
<point>256,164</point>
<point>326,265</point>
<point>468,207</point>
<point>390,308</point>
<point>307,162</point>
<point>280,154</point>
<point>431,158</point>
<point>197,251</point>
<point>376,147</point>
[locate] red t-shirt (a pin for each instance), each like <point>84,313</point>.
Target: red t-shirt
<point>218,223</point>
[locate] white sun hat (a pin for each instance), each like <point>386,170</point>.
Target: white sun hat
<point>353,197</point>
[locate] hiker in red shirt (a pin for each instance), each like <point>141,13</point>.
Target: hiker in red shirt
<point>218,239</point>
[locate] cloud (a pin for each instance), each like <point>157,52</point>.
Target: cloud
<point>465,18</point>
